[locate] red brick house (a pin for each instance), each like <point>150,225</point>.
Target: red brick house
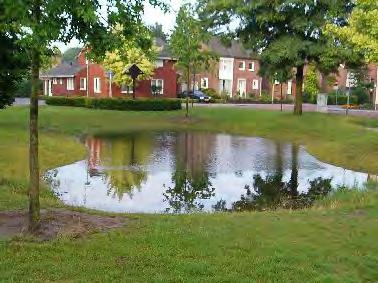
<point>86,78</point>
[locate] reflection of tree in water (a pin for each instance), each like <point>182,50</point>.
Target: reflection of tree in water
<point>124,157</point>
<point>191,178</point>
<point>272,193</point>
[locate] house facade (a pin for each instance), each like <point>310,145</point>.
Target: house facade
<point>83,77</point>
<point>235,74</point>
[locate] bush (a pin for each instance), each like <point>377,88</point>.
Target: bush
<point>362,95</point>
<point>342,99</point>
<point>116,103</point>
<point>6,99</point>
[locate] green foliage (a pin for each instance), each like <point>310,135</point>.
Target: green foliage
<point>70,54</point>
<point>157,31</point>
<point>13,67</point>
<point>116,103</point>
<point>311,87</point>
<point>361,30</point>
<point>361,94</point>
<point>342,99</point>
<point>211,92</point>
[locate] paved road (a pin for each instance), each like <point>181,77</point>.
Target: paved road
<point>19,101</point>
<point>290,107</point>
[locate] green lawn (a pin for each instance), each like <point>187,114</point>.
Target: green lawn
<point>333,242</point>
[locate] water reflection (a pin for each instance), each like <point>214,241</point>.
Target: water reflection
<point>188,171</point>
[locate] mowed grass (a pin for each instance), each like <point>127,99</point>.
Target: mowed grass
<point>333,242</point>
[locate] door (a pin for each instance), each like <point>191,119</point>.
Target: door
<point>242,87</point>
<point>48,86</point>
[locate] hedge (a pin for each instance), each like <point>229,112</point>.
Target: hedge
<point>116,103</point>
<point>342,99</point>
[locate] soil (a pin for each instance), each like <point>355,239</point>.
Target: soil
<point>57,223</point>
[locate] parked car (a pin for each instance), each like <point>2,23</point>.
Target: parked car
<point>197,95</point>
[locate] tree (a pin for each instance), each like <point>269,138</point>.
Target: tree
<point>40,23</point>
<point>127,54</point>
<point>70,54</point>
<point>157,31</point>
<point>12,68</point>
<point>186,45</point>
<point>311,85</point>
<point>361,31</point>
<point>286,33</point>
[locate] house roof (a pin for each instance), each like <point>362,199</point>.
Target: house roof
<point>234,50</point>
<point>65,69</point>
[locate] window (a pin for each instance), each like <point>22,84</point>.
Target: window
<point>276,82</point>
<point>251,66</point>
<point>255,84</point>
<point>83,83</point>
<point>289,86</point>
<point>55,81</point>
<point>127,89</point>
<point>70,84</point>
<point>97,85</point>
<point>242,65</point>
<point>351,79</point>
<point>60,81</point>
<point>204,83</point>
<point>157,86</point>
<point>159,63</point>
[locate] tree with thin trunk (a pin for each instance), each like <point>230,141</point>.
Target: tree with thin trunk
<point>285,33</point>
<point>186,45</point>
<point>40,23</point>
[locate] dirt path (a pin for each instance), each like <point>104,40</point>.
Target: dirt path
<point>57,223</point>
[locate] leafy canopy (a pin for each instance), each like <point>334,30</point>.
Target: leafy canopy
<point>362,29</point>
<point>127,54</point>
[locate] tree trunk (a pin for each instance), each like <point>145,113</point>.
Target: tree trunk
<point>34,207</point>
<point>187,93</point>
<point>298,91</point>
<point>281,97</point>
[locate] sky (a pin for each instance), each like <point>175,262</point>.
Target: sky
<point>150,17</point>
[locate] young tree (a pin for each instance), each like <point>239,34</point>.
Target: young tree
<point>39,24</point>
<point>362,29</point>
<point>186,45</point>
<point>288,32</point>
<point>127,54</point>
<point>311,85</point>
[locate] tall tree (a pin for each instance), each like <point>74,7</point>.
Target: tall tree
<point>70,54</point>
<point>186,44</point>
<point>288,33</point>
<point>39,24</point>
<point>158,32</point>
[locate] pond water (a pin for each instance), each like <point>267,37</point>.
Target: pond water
<point>180,172</point>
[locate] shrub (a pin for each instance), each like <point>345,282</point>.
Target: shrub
<point>342,99</point>
<point>116,103</point>
<point>6,99</point>
<point>362,95</point>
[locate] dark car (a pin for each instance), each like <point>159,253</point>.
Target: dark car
<point>198,95</point>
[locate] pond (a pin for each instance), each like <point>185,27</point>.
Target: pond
<point>181,172</point>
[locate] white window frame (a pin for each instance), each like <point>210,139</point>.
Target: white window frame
<point>255,84</point>
<point>70,84</point>
<point>289,87</point>
<point>55,81</point>
<point>97,85</point>
<point>84,86</point>
<point>159,63</point>
<point>129,89</point>
<point>154,82</point>
<point>206,81</point>
<point>60,81</point>
<point>253,66</point>
<point>241,68</point>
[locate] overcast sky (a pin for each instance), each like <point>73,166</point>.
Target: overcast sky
<point>150,17</point>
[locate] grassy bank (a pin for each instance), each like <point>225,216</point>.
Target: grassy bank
<point>333,242</point>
